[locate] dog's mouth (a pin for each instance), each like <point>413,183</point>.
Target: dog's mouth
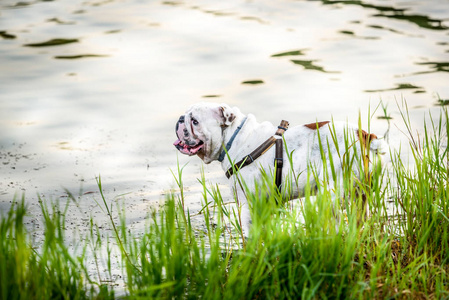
<point>188,149</point>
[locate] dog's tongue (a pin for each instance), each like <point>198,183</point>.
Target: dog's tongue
<point>185,149</point>
<point>177,142</point>
<point>181,147</point>
<point>194,150</point>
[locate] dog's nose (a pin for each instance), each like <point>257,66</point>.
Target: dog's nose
<point>180,122</point>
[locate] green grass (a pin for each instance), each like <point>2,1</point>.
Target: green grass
<point>402,255</point>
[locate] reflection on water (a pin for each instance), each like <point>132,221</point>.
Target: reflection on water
<point>94,87</point>
<point>306,64</point>
<point>255,81</point>
<point>53,42</point>
<point>396,13</point>
<point>290,53</point>
<point>352,34</point>
<point>79,56</point>
<point>311,65</point>
<point>400,86</point>
<point>434,66</point>
<point>7,35</point>
<point>384,28</point>
<point>421,21</point>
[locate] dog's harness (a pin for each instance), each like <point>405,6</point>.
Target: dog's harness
<point>264,147</point>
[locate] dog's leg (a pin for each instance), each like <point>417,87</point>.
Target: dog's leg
<point>244,215</point>
<point>335,205</point>
<point>246,220</point>
<point>335,189</point>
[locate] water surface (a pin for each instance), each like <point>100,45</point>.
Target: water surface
<point>95,87</point>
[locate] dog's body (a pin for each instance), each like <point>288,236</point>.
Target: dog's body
<point>206,127</point>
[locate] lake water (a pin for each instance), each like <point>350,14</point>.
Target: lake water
<point>94,87</point>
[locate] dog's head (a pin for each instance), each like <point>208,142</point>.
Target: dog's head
<point>200,130</point>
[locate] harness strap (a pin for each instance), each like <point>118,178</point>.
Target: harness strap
<point>264,147</point>
<point>279,163</point>
<point>279,154</point>
<point>248,159</point>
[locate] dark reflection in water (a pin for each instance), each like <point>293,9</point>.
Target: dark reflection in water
<point>79,56</point>
<point>6,35</point>
<point>290,53</point>
<point>384,28</point>
<point>420,20</point>
<point>434,66</point>
<point>352,34</point>
<point>401,86</point>
<point>306,64</point>
<point>380,8</point>
<point>60,22</point>
<point>20,4</point>
<point>253,82</point>
<point>113,31</point>
<point>310,65</point>
<point>347,32</point>
<point>394,13</point>
<point>173,3</point>
<point>53,42</point>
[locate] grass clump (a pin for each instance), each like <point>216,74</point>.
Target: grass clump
<point>401,250</point>
<point>48,271</point>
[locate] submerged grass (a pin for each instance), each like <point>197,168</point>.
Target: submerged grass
<point>292,251</point>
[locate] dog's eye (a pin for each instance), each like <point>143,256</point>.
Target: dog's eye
<point>195,122</point>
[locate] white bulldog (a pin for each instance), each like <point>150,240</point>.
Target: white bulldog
<point>207,128</point>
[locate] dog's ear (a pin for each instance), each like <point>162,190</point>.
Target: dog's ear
<point>227,115</point>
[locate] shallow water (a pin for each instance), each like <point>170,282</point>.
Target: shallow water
<point>91,88</point>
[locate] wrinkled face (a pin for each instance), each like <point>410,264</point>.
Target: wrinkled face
<point>200,130</point>
<point>187,143</point>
